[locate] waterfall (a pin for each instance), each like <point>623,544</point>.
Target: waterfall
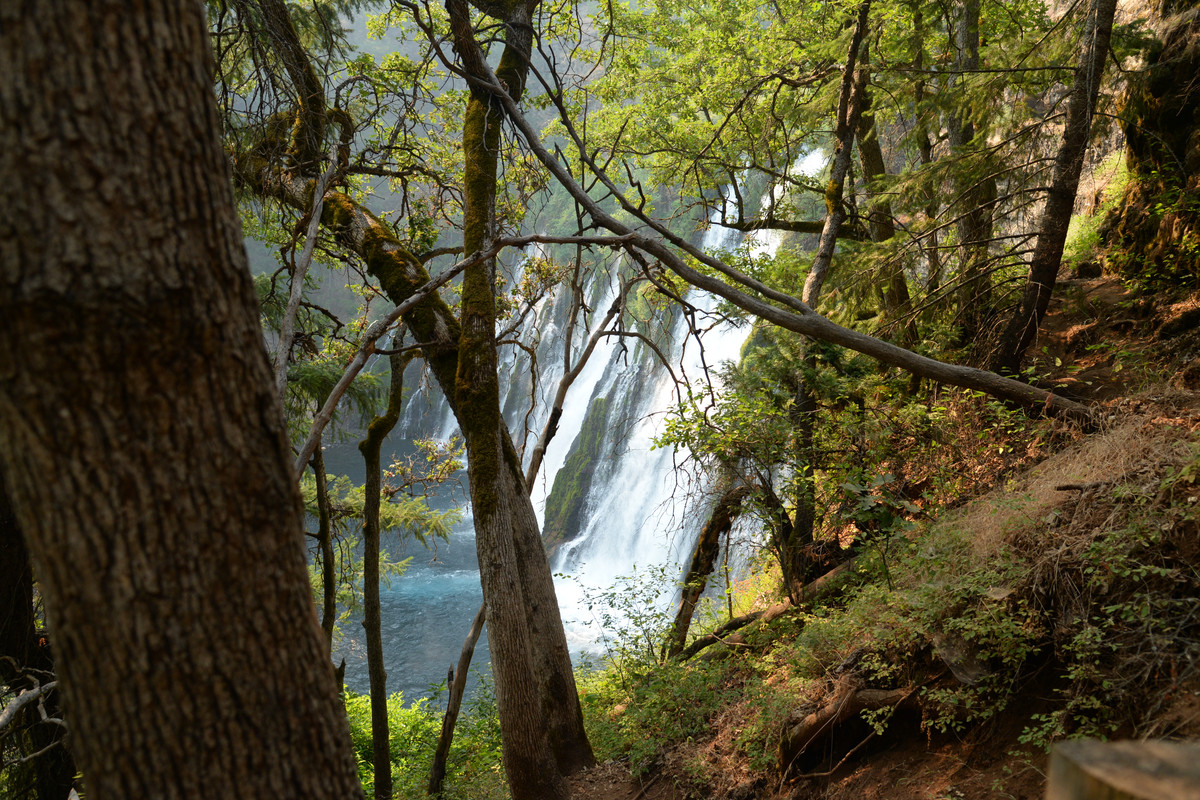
<point>638,510</point>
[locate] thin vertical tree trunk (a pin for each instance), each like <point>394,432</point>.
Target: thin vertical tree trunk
<point>801,529</point>
<point>976,195</point>
<point>541,721</point>
<point>377,431</point>
<point>933,275</point>
<point>730,494</point>
<point>287,329</point>
<point>849,109</point>
<point>151,478</point>
<point>1064,184</point>
<point>803,413</point>
<point>325,546</point>
<point>458,686</point>
<point>892,286</point>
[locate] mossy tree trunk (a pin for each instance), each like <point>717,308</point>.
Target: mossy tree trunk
<point>151,479</point>
<point>848,113</point>
<point>891,285</point>
<point>525,629</point>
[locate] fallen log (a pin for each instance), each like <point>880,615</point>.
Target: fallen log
<point>726,634</point>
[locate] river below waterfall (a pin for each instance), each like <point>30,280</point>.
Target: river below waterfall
<point>425,616</point>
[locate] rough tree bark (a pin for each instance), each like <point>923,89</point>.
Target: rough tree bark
<point>525,630</point>
<point>458,677</point>
<point>150,475</point>
<point>1060,202</point>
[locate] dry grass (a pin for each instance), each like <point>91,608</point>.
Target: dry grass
<point>1145,431</point>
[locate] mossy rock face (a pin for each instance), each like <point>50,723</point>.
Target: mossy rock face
<point>1154,233</point>
<point>567,502</point>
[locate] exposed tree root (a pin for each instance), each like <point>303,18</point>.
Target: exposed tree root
<point>809,732</point>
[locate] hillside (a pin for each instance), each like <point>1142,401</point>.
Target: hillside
<point>1059,595</point>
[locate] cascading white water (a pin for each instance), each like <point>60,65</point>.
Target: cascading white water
<point>638,511</point>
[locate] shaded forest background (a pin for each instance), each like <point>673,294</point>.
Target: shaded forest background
<point>963,425</point>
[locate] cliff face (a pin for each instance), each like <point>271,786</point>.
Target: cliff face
<point>567,501</point>
<point>1155,230</point>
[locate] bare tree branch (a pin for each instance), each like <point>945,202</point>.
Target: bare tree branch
<point>23,699</point>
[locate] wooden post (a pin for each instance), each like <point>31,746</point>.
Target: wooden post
<point>1149,770</point>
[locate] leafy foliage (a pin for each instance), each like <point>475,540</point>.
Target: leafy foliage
<point>635,703</point>
<point>403,516</point>
<point>474,768</point>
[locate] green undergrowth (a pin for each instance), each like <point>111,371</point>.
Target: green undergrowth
<point>1065,603</point>
<point>1108,182</point>
<point>474,769</point>
<point>636,719</point>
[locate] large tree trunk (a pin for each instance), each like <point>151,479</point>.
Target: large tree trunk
<point>1056,216</point>
<point>150,474</point>
<point>458,681</point>
<point>525,631</point>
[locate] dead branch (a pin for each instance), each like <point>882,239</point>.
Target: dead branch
<point>23,699</point>
<point>848,700</point>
